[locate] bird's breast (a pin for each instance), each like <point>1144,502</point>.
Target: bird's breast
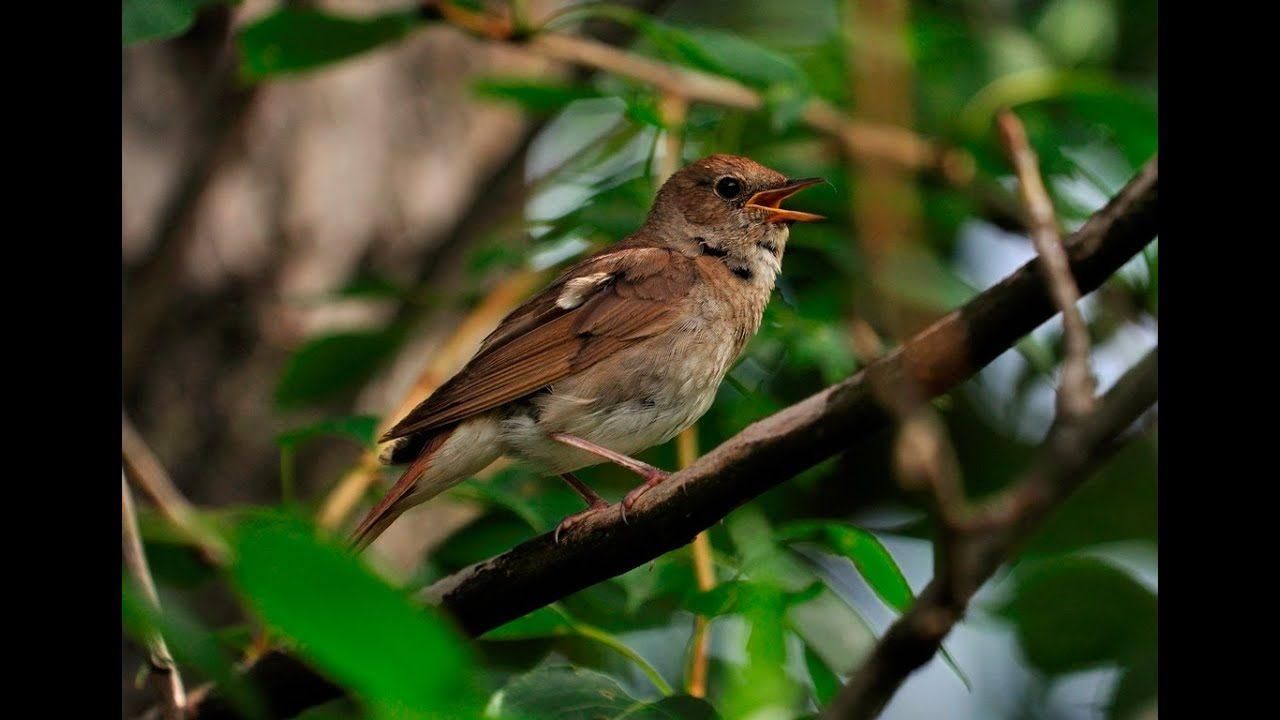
<point>641,396</point>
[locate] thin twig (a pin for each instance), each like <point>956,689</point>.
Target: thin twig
<point>164,672</point>
<point>145,469</point>
<point>1076,393</point>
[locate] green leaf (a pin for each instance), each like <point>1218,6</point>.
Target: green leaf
<point>177,564</point>
<point>1080,30</point>
<point>1138,686</point>
<point>554,621</point>
<point>738,596</point>
<point>563,693</point>
<point>330,364</point>
<point>762,686</point>
<point>833,630</point>
<point>142,20</point>
<point>1118,504</point>
<point>825,682</point>
<point>549,621</point>
<point>293,40</point>
<point>536,96</point>
<point>869,556</point>
<point>360,428</point>
<point>191,644</point>
<point>676,707</point>
<point>484,537</point>
<point>873,562</point>
<point>1074,613</point>
<point>400,658</point>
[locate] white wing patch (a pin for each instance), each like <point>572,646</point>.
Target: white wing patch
<point>577,290</point>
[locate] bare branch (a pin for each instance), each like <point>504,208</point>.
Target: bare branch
<point>767,453</point>
<point>1071,452</point>
<point>164,672</point>
<point>1075,396</point>
<point>150,476</point>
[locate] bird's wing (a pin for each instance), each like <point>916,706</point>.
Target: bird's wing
<point>598,307</point>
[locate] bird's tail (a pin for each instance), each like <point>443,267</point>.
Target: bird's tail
<point>391,505</point>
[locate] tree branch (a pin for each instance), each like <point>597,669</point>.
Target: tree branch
<point>765,454</point>
<point>1064,461</point>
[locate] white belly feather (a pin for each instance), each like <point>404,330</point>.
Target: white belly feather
<point>665,386</point>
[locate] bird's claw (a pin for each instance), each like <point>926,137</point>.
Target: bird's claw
<point>651,480</point>
<point>576,518</point>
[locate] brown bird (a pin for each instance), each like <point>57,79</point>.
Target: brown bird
<point>620,353</point>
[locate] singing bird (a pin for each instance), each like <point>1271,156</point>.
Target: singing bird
<point>621,352</point>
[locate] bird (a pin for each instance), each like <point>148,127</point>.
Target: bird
<point>621,352</point>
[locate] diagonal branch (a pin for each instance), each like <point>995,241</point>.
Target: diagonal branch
<point>1064,461</point>
<point>763,455</point>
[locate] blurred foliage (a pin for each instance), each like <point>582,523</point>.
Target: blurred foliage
<point>795,569</point>
<point>143,20</point>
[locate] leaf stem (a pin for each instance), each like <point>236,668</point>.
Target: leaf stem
<point>604,638</point>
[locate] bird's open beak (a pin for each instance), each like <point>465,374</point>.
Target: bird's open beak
<point>770,200</point>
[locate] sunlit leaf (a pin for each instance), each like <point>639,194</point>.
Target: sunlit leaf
<point>1080,30</point>
<point>869,556</point>
<point>825,683</point>
<point>400,658</point>
<point>739,596</point>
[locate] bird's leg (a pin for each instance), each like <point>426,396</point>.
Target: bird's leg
<point>595,503</point>
<point>588,495</point>
<point>652,475</point>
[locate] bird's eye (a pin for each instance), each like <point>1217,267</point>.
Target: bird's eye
<point>728,188</point>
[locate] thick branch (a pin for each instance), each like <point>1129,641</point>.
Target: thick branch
<point>763,455</point>
<point>1072,451</point>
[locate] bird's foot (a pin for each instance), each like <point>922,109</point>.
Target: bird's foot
<point>652,479</point>
<point>577,518</point>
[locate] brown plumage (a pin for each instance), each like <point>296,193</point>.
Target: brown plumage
<point>621,352</point>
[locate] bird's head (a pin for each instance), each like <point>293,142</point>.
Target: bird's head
<point>730,205</point>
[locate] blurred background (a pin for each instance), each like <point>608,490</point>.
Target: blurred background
<point>326,205</point>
